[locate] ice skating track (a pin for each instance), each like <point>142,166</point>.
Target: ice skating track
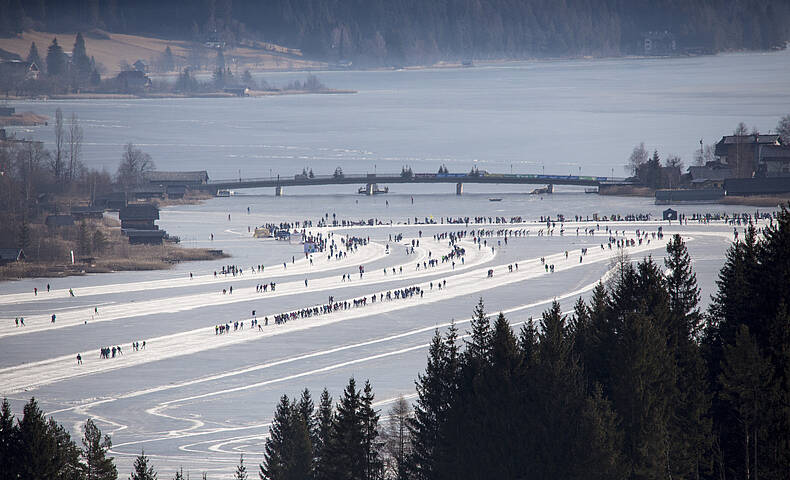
<point>223,443</point>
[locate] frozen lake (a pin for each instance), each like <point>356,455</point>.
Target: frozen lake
<point>197,399</point>
<point>557,115</point>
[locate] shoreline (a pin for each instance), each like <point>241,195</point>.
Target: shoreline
<point>134,96</point>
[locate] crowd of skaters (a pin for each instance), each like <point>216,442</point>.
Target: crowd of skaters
<point>331,306</point>
<point>479,236</point>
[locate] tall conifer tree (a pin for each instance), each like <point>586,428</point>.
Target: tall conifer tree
<point>97,466</point>
<point>8,443</point>
<point>142,469</point>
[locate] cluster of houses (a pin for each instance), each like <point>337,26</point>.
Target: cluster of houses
<point>754,164</point>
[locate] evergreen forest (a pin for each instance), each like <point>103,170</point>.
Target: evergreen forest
<point>395,32</point>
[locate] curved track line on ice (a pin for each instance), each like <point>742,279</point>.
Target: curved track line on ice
<point>78,316</point>
<point>365,254</point>
<point>31,375</point>
<point>216,447</point>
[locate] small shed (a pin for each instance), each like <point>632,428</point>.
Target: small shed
<point>55,221</point>
<point>670,214</point>
<point>10,255</point>
<point>113,200</point>
<point>139,216</point>
<point>149,237</point>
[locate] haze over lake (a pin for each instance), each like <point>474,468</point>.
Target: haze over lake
<point>559,114</point>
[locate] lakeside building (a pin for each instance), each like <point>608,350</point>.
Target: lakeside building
<point>709,176</point>
<point>19,70</point>
<point>137,223</point>
<point>774,161</point>
<point>11,255</point>
<point>140,216</point>
<point>742,153</point>
<point>131,81</point>
<point>658,43</point>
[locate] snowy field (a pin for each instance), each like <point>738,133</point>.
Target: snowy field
<point>195,399</point>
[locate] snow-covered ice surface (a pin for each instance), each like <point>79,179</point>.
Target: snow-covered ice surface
<point>197,399</point>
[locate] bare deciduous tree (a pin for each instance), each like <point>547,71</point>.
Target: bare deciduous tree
<point>707,154</point>
<point>75,148</point>
<point>674,161</point>
<point>396,439</point>
<point>638,156</point>
<point>783,129</point>
<point>135,164</point>
<point>56,163</point>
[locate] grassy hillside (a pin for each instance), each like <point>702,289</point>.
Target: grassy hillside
<point>110,50</point>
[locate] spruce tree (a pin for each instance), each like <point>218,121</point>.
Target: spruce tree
<point>595,342</point>
<point>641,391</point>
<point>142,469</point>
<point>691,427</point>
<point>602,440</point>
<point>56,59</point>
<point>323,421</point>
<point>299,462</point>
<point>528,344</point>
<point>371,443</point>
<point>34,57</point>
<point>681,283</point>
<point>746,384</point>
<point>80,61</point>
<point>569,433</point>
<point>275,455</point>
<point>97,466</point>
<point>8,444</point>
<point>66,454</point>
<point>241,470</point>
<point>429,412</point>
<point>346,456</point>
<point>168,62</point>
<point>36,446</point>
<point>306,409</point>
<point>479,345</point>
<point>502,382</point>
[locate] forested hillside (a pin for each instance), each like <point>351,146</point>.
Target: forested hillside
<point>418,31</point>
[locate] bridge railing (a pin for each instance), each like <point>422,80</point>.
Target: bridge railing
<point>302,178</point>
<point>460,177</point>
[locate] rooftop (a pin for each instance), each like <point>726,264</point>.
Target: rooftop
<point>140,211</point>
<point>11,254</point>
<point>763,139</point>
<point>708,173</point>
<point>775,151</point>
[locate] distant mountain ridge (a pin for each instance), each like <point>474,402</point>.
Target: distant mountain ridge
<point>399,32</point>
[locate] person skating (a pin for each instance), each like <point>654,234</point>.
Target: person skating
<point>79,359</point>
